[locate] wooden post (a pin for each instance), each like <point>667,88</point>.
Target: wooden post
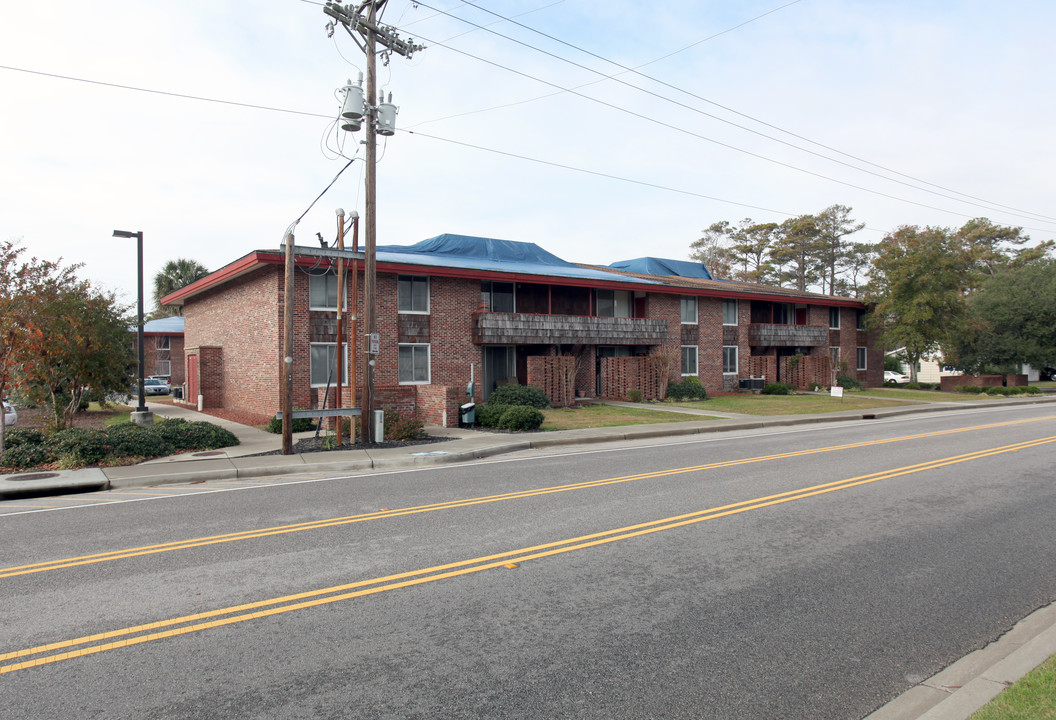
<point>339,355</point>
<point>353,335</point>
<point>287,352</point>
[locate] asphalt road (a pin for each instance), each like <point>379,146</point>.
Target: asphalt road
<point>810,572</point>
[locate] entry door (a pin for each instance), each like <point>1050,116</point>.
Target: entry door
<point>500,364</point>
<point>192,379</point>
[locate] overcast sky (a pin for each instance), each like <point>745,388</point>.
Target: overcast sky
<point>518,137</point>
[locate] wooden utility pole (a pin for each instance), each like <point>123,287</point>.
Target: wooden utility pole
<point>370,193</point>
<point>367,34</point>
<point>338,354</point>
<point>353,345</point>
<point>287,352</point>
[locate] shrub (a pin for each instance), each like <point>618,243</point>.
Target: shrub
<point>488,415</point>
<point>515,394</point>
<point>400,428</point>
<point>689,389</point>
<point>1032,390</point>
<point>913,386</point>
<point>77,447</point>
<point>848,383</point>
<point>299,425</point>
<point>973,389</point>
<point>777,389</point>
<point>183,435</point>
<point>635,396</point>
<point>520,417</point>
<point>25,455</point>
<point>998,390</point>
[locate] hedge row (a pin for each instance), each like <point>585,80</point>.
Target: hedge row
<point>1001,390</point>
<point>77,447</point>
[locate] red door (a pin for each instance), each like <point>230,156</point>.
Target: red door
<point>192,379</point>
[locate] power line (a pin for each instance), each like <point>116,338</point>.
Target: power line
<point>990,205</point>
<point>468,145</point>
<point>703,137</point>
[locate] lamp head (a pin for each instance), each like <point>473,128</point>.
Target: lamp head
<point>125,234</point>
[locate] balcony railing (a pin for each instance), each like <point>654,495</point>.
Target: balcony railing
<point>766,335</point>
<point>490,328</point>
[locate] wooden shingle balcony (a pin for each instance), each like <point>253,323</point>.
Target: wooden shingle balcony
<point>766,335</point>
<point>492,328</point>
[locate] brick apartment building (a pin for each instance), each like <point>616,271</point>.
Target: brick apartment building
<point>162,348</point>
<point>454,308</point>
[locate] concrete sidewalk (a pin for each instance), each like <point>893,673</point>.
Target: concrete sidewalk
<point>952,694</point>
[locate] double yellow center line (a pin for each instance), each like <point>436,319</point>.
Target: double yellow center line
<point>382,514</point>
<point>126,637</point>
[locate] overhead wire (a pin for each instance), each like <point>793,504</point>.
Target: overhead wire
<point>990,206</point>
<point>704,137</point>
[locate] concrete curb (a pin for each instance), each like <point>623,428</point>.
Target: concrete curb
<point>960,690</point>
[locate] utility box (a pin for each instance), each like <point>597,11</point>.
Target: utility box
<point>752,383</point>
<point>469,413</point>
<point>379,426</point>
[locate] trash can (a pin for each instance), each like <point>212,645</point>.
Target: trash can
<point>177,393</point>
<point>469,413</point>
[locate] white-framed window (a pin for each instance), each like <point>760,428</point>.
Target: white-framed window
<point>860,322</point>
<point>163,367</point>
<point>322,364</point>
<point>413,294</point>
<point>322,291</point>
<point>689,359</point>
<point>613,303</point>
<point>834,357</point>
<point>729,359</point>
<point>413,363</point>
<point>861,358</point>
<point>729,312</point>
<point>161,342</point>
<point>834,318</point>
<point>688,305</point>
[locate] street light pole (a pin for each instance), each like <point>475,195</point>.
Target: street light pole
<point>141,416</point>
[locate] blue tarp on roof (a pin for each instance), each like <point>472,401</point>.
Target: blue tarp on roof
<point>662,266</point>
<point>477,253</point>
<point>167,326</point>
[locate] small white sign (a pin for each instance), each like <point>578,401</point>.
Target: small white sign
<point>375,343</point>
<point>836,391</point>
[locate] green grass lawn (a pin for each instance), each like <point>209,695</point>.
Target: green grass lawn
<point>591,416</point>
<point>922,395</point>
<point>789,404</point>
<point>1032,697</point>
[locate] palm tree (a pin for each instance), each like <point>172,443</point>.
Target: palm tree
<point>175,275</point>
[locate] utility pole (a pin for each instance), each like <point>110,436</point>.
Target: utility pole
<point>287,351</point>
<point>339,356</point>
<point>370,35</point>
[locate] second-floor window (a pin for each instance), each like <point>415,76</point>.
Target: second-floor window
<point>834,318</point>
<point>413,294</point>
<point>497,296</point>
<point>161,342</point>
<point>613,303</point>
<point>689,310</point>
<point>322,291</point>
<point>729,312</point>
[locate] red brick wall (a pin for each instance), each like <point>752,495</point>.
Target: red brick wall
<point>548,373</point>
<point>806,371</point>
<point>620,374</point>
<point>244,319</point>
<point>764,366</point>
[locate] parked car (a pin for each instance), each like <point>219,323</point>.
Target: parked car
<point>10,415</point>
<point>155,386</point>
<point>895,377</point>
